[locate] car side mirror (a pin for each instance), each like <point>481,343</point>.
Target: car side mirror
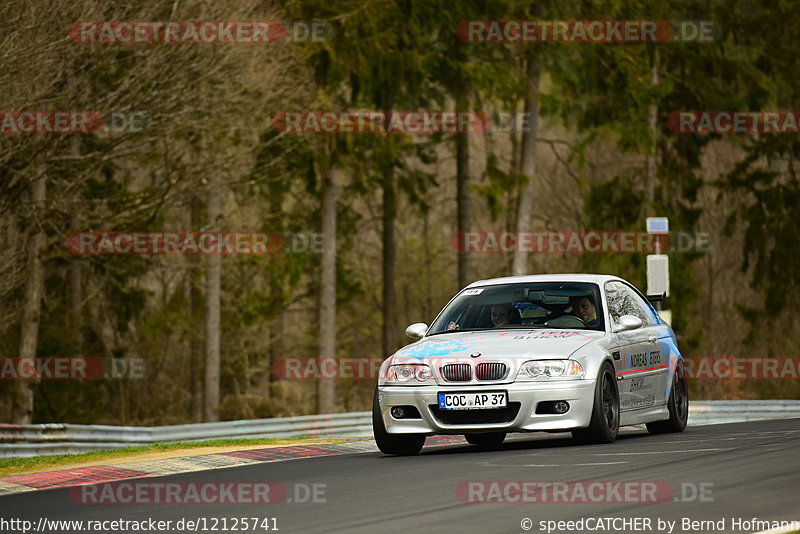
<point>416,330</point>
<point>627,322</point>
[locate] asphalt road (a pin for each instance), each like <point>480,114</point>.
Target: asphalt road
<point>745,470</point>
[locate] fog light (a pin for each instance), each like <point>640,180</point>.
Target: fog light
<point>561,407</point>
<point>405,412</point>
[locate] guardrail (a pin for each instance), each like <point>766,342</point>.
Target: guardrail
<point>718,412</point>
<point>65,438</point>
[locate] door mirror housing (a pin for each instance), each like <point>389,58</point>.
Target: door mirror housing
<point>416,330</point>
<point>627,322</point>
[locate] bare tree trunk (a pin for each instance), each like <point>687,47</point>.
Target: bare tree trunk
<point>195,339</point>
<point>513,200</point>
<point>22,403</point>
<point>195,350</point>
<point>326,389</point>
<point>651,176</point>
<point>389,253</point>
<point>76,297</point>
<point>213,262</point>
<point>462,196</point>
<point>516,149</point>
<point>76,272</point>
<point>427,310</point>
<point>276,345</point>
<point>528,162</point>
<point>389,256</point>
<point>276,191</point>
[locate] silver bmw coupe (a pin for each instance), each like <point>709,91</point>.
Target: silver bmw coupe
<point>570,352</point>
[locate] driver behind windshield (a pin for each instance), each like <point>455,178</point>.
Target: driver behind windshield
<point>583,308</point>
<point>502,314</point>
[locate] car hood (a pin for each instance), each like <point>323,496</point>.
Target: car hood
<point>515,344</point>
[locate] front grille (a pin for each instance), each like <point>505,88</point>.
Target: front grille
<point>457,372</point>
<point>476,417</point>
<point>490,371</point>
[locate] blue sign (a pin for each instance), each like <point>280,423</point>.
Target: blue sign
<point>657,225</point>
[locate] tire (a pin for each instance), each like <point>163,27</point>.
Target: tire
<point>488,441</point>
<point>677,405</point>
<point>604,424</point>
<point>399,444</point>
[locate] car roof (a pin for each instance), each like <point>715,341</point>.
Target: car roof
<point>571,277</point>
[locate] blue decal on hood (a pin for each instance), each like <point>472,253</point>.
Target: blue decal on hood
<point>432,348</point>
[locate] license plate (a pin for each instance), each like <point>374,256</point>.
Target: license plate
<point>473,400</point>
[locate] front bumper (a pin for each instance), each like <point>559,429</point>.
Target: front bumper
<point>578,393</point>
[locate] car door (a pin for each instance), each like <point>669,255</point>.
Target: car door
<point>659,342</point>
<point>637,381</point>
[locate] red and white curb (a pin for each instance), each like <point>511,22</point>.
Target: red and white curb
<point>171,466</point>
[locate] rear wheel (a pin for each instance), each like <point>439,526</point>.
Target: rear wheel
<point>490,440</point>
<point>604,424</point>
<point>401,444</point>
<point>677,405</point>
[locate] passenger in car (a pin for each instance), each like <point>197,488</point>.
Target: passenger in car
<point>504,314</point>
<point>583,308</point>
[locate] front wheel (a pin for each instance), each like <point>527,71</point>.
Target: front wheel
<point>488,441</point>
<point>400,444</point>
<point>604,424</point>
<point>677,405</point>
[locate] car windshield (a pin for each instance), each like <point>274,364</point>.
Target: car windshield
<point>571,305</point>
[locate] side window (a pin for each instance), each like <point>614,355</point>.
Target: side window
<point>623,300</point>
<point>618,301</point>
<point>643,310</point>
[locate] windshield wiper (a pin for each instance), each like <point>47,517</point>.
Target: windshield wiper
<point>592,328</point>
<point>518,327</point>
<point>459,330</point>
<point>486,328</point>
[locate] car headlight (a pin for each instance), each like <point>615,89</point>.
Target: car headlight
<point>550,369</point>
<point>410,374</point>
